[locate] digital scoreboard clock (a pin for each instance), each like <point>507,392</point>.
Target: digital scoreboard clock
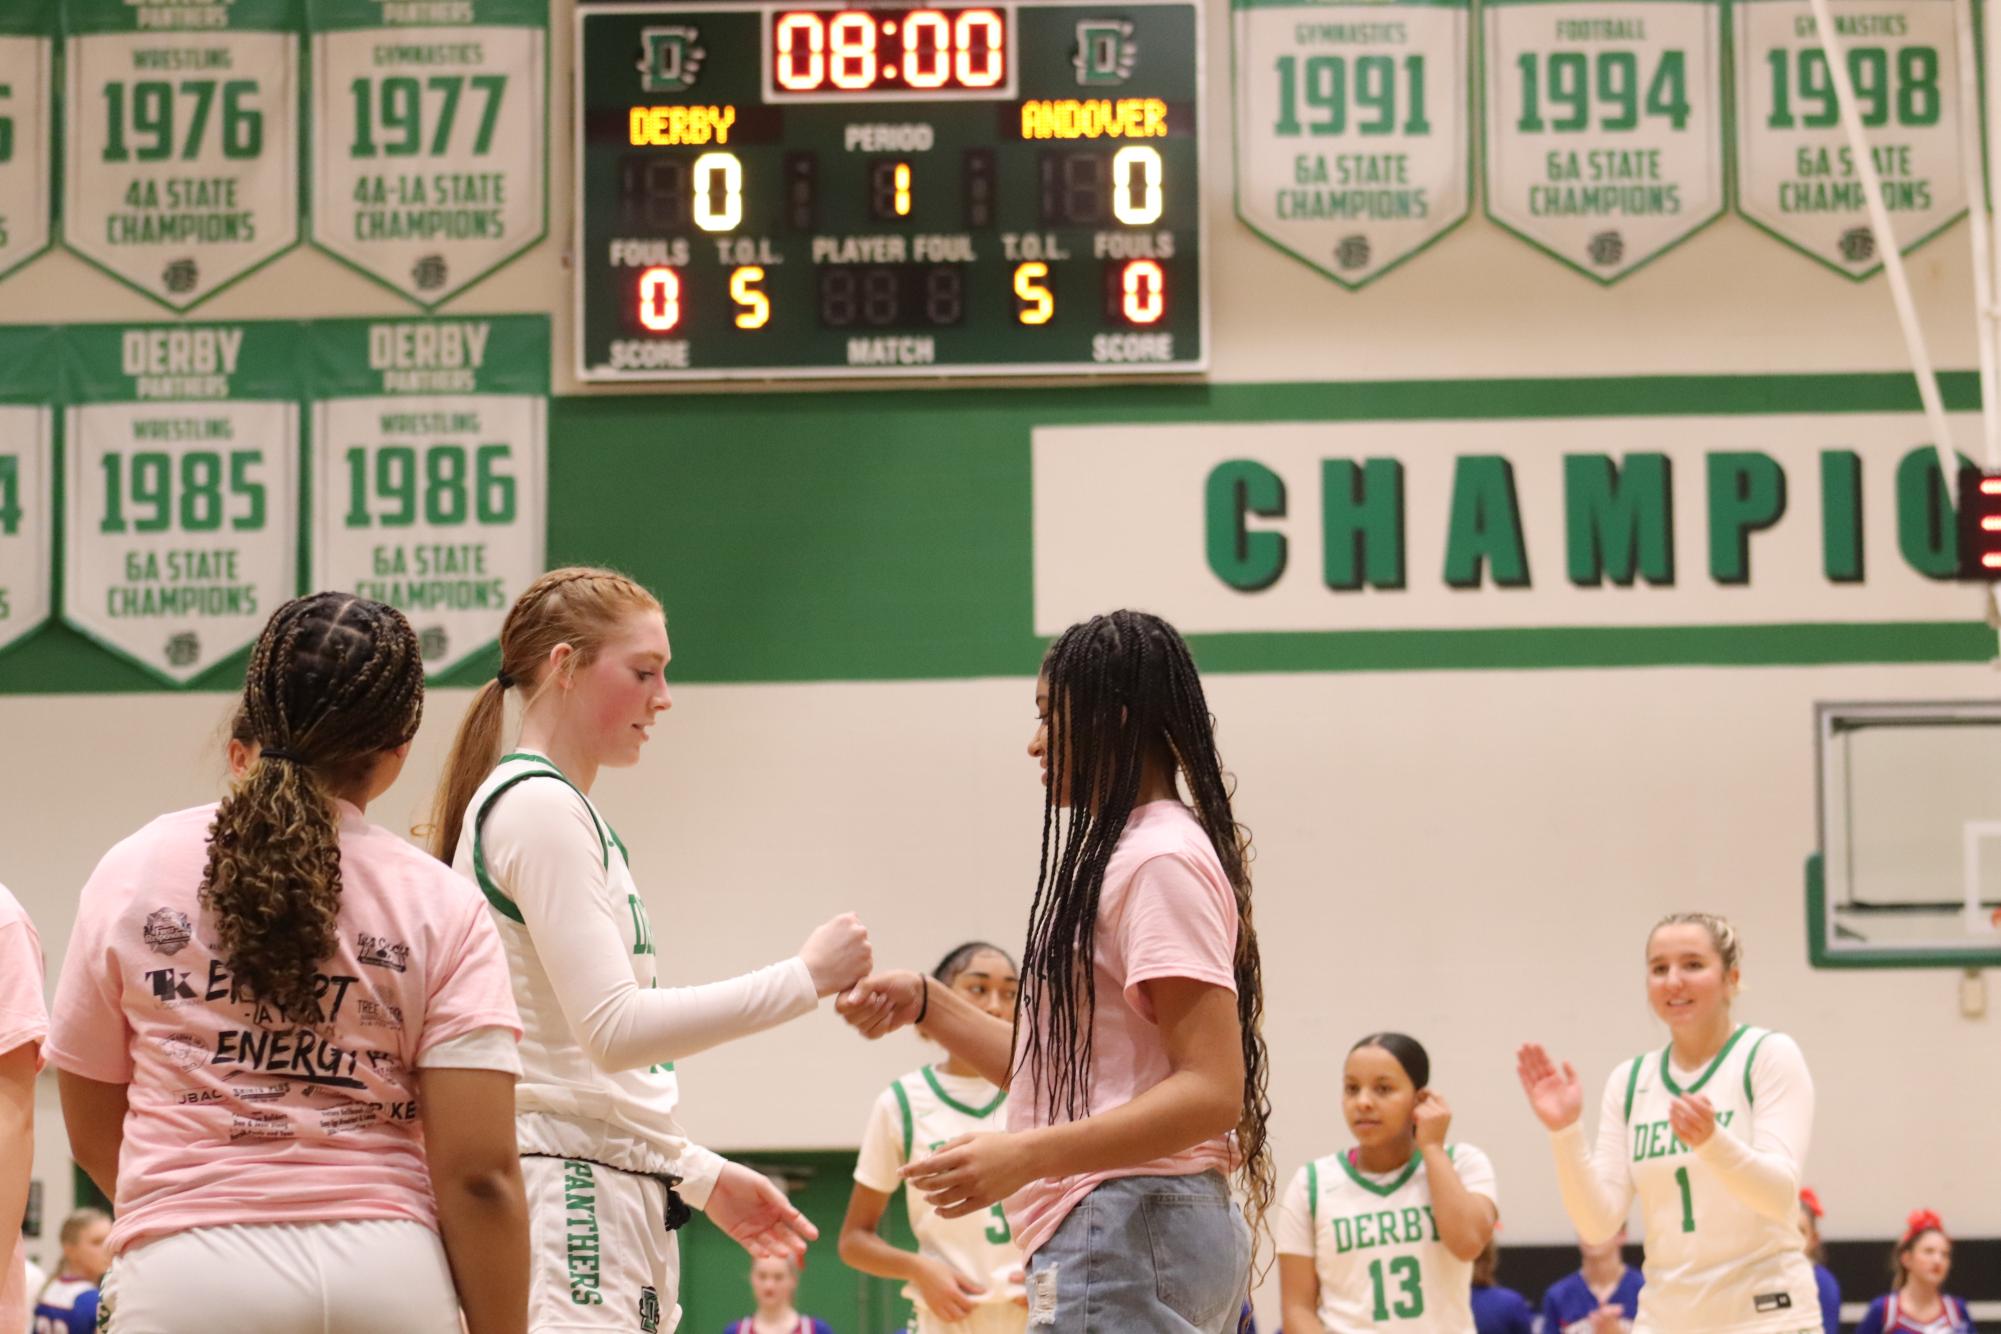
<point>778,191</point>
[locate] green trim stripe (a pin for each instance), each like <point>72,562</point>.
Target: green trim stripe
<point>1751,1059</point>
<point>1396,1184</point>
<point>1633,1085</point>
<point>607,836</point>
<point>1313,1190</point>
<point>931,1078</point>
<point>1715,1064</point>
<point>502,904</point>
<point>909,1125</point>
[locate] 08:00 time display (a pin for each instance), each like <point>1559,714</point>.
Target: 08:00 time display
<point>1078,187</point>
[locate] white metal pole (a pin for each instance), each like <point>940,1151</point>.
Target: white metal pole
<point>1886,241</point>
<point>1972,164</point>
<point>1987,187</point>
<point>1893,267</point>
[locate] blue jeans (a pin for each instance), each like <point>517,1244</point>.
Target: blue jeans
<point>1163,1255</point>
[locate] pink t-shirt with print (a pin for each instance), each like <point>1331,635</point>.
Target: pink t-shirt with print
<point>238,1115</point>
<point>23,1019</point>
<point>1166,910</point>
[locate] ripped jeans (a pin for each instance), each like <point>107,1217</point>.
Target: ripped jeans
<point>1158,1255</point>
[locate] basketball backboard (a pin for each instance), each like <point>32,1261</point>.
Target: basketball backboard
<point>1908,872</point>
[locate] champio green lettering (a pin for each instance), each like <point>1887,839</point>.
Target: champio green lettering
<point>1927,521</point>
<point>1362,523</point>
<point>1484,537</point>
<point>1247,560</point>
<point>1619,519</point>
<point>1841,515</point>
<point>1747,494</point>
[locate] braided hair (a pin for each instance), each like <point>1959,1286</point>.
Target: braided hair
<point>578,605</point>
<point>335,680</point>
<point>1123,689</point>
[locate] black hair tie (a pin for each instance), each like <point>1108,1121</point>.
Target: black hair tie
<point>504,679</point>
<point>281,754</point>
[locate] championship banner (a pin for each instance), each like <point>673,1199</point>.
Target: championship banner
<point>27,467</point>
<point>27,129</point>
<point>1353,128</point>
<point>430,447</point>
<point>181,488</point>
<point>430,138</point>
<point>181,140</point>
<point>1796,176</point>
<point>1604,144</point>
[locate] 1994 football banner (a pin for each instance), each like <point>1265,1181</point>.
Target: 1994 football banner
<point>1604,143</point>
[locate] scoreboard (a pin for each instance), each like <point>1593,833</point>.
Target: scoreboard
<point>777,191</point>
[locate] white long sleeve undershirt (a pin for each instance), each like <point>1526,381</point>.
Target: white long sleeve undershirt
<point>542,847</point>
<point>1765,1172</point>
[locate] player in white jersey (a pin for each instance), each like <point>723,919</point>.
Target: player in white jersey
<point>607,1166</point>
<point>965,1276</point>
<point>1710,1132</point>
<point>1384,1235</point>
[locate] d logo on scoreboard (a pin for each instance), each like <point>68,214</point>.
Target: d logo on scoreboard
<point>1106,52</point>
<point>671,59</point>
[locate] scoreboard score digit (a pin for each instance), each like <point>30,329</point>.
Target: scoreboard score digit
<point>776,191</point>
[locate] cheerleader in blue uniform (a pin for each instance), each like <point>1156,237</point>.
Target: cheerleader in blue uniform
<point>1918,1302</point>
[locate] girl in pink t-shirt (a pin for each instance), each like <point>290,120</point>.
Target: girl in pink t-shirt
<point>24,1022</point>
<point>259,998</point>
<point>1144,1071</point>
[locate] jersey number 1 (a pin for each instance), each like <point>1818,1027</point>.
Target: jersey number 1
<point>1687,1200</point>
<point>1410,1299</point>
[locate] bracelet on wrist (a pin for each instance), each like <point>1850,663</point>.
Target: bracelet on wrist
<point>924,984</point>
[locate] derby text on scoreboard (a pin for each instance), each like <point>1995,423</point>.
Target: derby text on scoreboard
<point>785,191</point>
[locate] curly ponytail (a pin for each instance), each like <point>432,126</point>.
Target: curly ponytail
<point>335,680</point>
